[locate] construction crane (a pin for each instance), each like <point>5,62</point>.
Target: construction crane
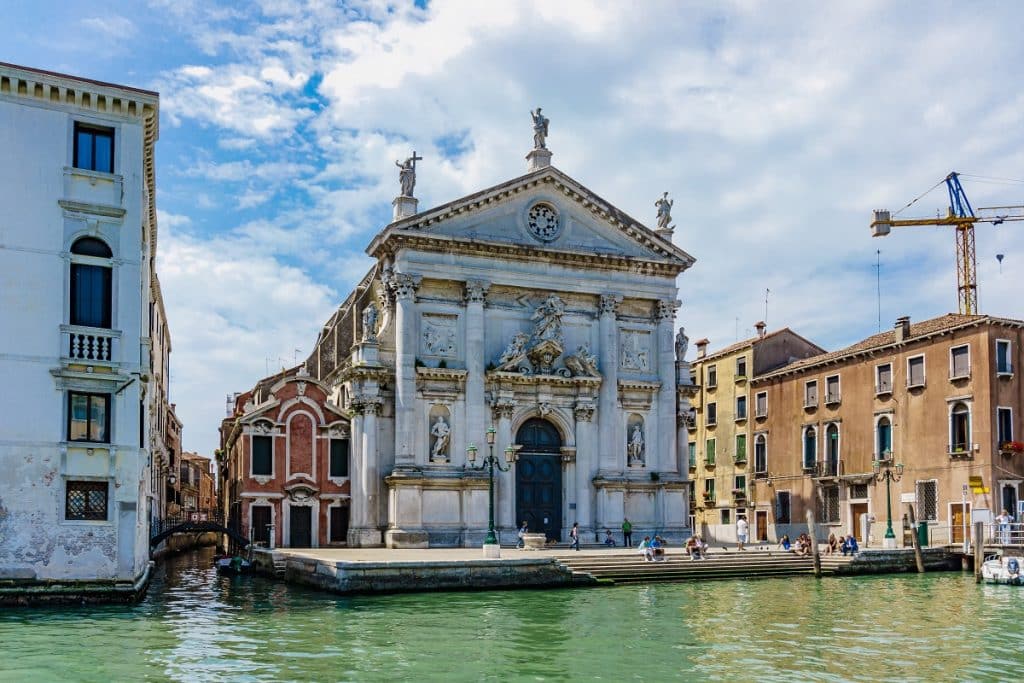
<point>961,217</point>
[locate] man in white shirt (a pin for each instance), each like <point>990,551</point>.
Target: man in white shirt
<point>741,532</point>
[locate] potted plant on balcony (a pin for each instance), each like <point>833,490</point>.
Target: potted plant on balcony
<point>739,494</point>
<point>1011,447</point>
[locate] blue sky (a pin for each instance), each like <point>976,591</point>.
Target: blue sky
<point>777,128</point>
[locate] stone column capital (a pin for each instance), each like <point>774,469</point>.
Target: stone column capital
<point>584,411</point>
<point>404,285</point>
<point>503,410</point>
<point>609,303</point>
<point>476,290</point>
<point>666,309</point>
<point>367,405</point>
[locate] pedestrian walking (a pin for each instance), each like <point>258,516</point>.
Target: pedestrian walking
<point>521,535</point>
<point>627,533</point>
<point>741,532</point>
<point>574,536</point>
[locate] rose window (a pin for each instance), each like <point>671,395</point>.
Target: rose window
<point>543,222</point>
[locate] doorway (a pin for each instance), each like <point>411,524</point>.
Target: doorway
<point>761,525</point>
<point>539,478</point>
<point>300,526</point>
<point>960,517</point>
<point>338,524</point>
<point>858,511</point>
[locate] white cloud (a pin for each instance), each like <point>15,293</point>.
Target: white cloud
<point>112,26</point>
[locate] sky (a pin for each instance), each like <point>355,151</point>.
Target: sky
<point>776,128</point>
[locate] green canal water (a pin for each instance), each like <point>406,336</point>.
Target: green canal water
<point>197,626</point>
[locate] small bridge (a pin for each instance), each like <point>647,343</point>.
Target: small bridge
<point>192,523</point>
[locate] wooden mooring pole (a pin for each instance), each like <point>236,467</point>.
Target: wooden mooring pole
<point>918,559</point>
<point>812,532</point>
<point>979,549</point>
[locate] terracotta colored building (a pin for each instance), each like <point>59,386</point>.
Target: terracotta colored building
<point>720,448</point>
<point>942,398</point>
<point>284,464</point>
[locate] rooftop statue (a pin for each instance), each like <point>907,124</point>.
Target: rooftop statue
<point>407,174</point>
<point>664,211</point>
<point>540,129</point>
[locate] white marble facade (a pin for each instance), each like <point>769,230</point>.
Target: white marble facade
<point>533,299</point>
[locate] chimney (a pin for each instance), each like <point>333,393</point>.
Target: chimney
<point>902,328</point>
<point>760,327</point>
<point>702,348</point>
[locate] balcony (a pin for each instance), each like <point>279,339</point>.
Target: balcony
<point>708,499</point>
<point>961,451</point>
<point>90,345</point>
<point>883,389</point>
<point>828,469</point>
<point>93,192</point>
<point>739,496</point>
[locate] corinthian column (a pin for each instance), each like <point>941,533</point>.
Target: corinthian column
<point>476,408</point>
<point>506,481</point>
<point>405,286</point>
<point>666,316</point>
<point>357,502</point>
<point>586,463</point>
<point>607,407</point>
<point>370,478</point>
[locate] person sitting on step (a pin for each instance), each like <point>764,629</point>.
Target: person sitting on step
<point>784,544</point>
<point>850,546</point>
<point>609,540</point>
<point>657,549</point>
<point>645,549</point>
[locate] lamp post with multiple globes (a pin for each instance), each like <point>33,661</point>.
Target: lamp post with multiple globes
<point>887,472</point>
<point>490,463</point>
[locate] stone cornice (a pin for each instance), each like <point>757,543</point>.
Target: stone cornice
<point>520,378</point>
<point>639,385</point>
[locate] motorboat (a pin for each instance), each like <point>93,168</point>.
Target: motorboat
<point>1007,570</point>
<point>232,566</point>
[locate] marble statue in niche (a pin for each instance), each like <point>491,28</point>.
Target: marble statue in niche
<point>682,343</point>
<point>442,437</point>
<point>635,445</point>
<point>370,323</point>
<point>634,352</point>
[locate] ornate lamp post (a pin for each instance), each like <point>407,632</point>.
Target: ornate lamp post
<point>490,463</point>
<point>884,472</point>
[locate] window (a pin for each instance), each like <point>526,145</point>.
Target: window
<point>828,509</point>
<point>883,438</point>
<point>782,507</point>
<point>741,366</point>
<point>1003,364</point>
<point>88,417</point>
<point>339,524</point>
<point>832,389</point>
<point>262,456</point>
<point>960,362</point>
<point>960,428</point>
<point>94,148</point>
<point>739,483</point>
<point>741,407</point>
<point>261,516</point>
<point>86,500</point>
<point>883,378</point>
<point>712,414</point>
<point>1004,424</point>
<point>810,447</point>
<point>915,371</point>
<point>725,516</point>
<point>709,451</point>
<point>811,394</point>
<point>709,489</point>
<point>712,377</point>
<point>339,458</point>
<point>760,454</point>
<point>741,448</point>
<point>831,451</point>
<point>692,451</point>
<point>858,490</point>
<point>927,501</point>
<point>761,404</point>
<point>91,288</point>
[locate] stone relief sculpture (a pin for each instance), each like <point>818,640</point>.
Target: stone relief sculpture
<point>664,212</point>
<point>635,446</point>
<point>634,354</point>
<point>682,343</point>
<point>439,335</point>
<point>582,363</point>
<point>407,174</point>
<point>540,129</point>
<point>549,319</point>
<point>442,436</point>
<point>514,354</point>
<point>370,323</point>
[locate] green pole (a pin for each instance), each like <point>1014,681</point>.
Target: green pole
<point>888,506</point>
<point>491,538</point>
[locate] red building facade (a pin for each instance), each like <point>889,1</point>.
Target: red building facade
<point>285,464</point>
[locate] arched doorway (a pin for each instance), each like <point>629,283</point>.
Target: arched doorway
<point>539,478</point>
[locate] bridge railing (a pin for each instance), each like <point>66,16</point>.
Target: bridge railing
<point>191,517</point>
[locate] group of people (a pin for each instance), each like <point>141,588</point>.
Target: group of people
<point>653,549</point>
<point>696,548</point>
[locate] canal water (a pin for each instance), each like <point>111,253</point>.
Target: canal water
<point>197,626</point>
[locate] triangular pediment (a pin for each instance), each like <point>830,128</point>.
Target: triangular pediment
<point>545,211</point>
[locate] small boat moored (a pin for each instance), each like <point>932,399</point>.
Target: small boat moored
<point>1005,570</point>
<point>232,565</point>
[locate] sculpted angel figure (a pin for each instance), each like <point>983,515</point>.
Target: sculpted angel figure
<point>549,319</point>
<point>664,211</point>
<point>540,129</point>
<point>582,363</point>
<point>514,352</point>
<point>442,434</point>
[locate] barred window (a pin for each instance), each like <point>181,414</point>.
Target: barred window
<point>86,500</point>
<point>858,490</point>
<point>927,501</point>
<point>828,505</point>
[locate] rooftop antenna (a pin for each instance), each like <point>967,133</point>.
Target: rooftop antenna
<point>878,284</point>
<point>766,293</point>
<point>295,356</point>
<point>737,328</point>
<point>999,257</point>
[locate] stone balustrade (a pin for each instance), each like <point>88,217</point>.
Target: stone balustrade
<point>89,344</point>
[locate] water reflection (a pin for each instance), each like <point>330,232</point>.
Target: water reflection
<point>195,625</point>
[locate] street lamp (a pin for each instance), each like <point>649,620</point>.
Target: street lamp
<point>489,463</point>
<point>887,475</point>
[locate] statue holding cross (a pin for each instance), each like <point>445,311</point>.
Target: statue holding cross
<point>407,174</point>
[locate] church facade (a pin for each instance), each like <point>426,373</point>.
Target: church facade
<point>536,309</point>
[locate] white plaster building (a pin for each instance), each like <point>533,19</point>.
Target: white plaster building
<point>535,307</point>
<point>77,247</point>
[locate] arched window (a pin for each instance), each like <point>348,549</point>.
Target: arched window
<point>91,289</point>
<point>883,439</point>
<point>832,450</point>
<point>760,454</point>
<point>810,448</point>
<point>960,428</point>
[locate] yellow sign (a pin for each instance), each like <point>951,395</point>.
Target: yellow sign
<point>975,482</point>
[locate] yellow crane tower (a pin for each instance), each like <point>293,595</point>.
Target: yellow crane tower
<point>961,217</point>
